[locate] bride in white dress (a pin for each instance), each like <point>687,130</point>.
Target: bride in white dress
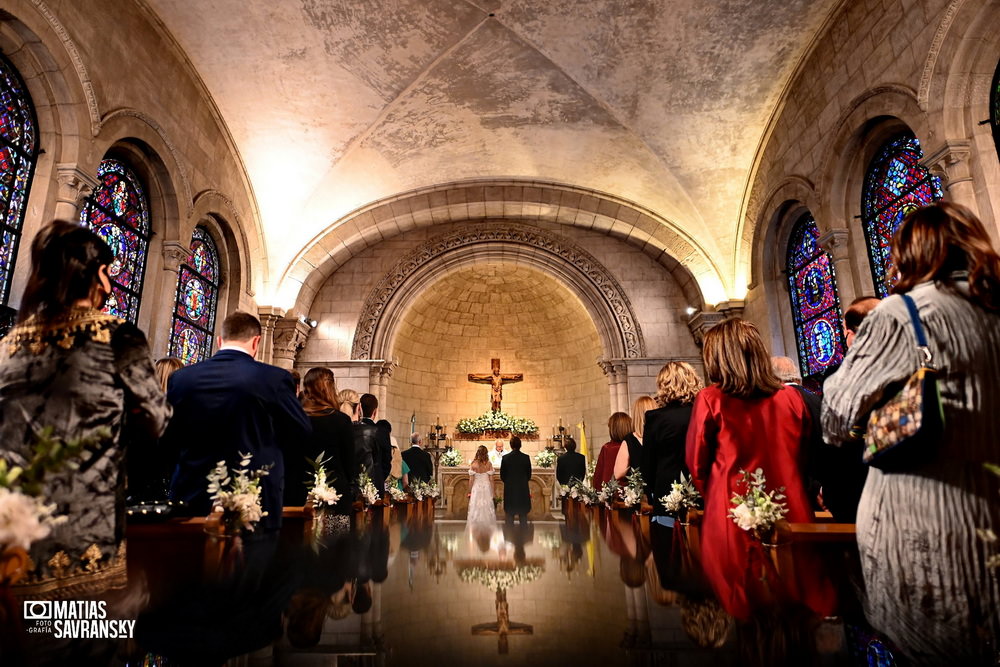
<point>481,508</point>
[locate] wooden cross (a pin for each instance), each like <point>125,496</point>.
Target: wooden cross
<point>496,382</point>
<point>504,626</point>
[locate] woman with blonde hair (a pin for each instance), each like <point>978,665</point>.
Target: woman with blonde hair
<point>481,507</point>
<point>747,419</point>
<point>350,404</point>
<point>619,426</point>
<point>166,367</point>
<point>925,568</point>
<point>630,455</point>
<point>662,460</point>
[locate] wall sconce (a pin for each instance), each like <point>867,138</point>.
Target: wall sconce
<point>305,320</point>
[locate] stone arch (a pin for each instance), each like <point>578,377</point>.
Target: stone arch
<point>698,276</point>
<point>600,293</point>
<point>240,247</point>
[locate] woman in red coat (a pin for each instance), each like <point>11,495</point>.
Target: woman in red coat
<point>619,426</point>
<point>747,419</point>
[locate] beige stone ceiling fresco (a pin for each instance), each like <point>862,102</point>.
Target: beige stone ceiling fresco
<point>335,104</point>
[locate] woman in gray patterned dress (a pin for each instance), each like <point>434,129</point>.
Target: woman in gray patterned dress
<point>68,366</point>
<point>925,571</point>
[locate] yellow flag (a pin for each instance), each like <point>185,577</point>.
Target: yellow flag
<point>583,437</point>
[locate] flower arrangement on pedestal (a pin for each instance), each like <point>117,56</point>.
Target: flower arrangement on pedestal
<point>757,510</point>
<point>451,458</point>
<point>632,491</point>
<point>682,498</point>
<point>369,494</point>
<point>240,504</point>
<point>497,421</point>
<point>545,458</point>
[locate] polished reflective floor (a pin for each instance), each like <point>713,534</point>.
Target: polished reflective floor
<point>603,588</point>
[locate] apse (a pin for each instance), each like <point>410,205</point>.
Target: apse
<point>496,310</point>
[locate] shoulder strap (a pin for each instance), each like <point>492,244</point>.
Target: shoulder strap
<point>918,330</point>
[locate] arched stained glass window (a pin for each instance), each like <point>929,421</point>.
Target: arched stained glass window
<point>894,185</point>
<point>812,286</point>
<point>196,301</point>
<point>18,150</point>
<point>117,211</point>
<point>995,108</point>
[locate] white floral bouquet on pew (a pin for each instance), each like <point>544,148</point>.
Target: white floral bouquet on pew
<point>369,494</point>
<point>421,490</point>
<point>583,492</point>
<point>632,491</point>
<point>608,492</point>
<point>239,503</point>
<point>322,494</point>
<point>682,497</point>
<point>758,510</point>
<point>396,493</point>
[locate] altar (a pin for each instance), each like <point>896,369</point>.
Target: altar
<point>454,484</point>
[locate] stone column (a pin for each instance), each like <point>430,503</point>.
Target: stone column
<point>173,252</point>
<point>74,187</point>
<point>950,163</point>
<point>378,378</point>
<point>621,376</point>
<point>835,243</point>
<point>608,369</point>
<point>701,322</point>
<point>269,318</point>
<point>289,337</point>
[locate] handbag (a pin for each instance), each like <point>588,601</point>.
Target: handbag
<point>903,433</point>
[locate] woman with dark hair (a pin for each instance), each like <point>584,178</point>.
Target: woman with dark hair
<point>929,587</point>
<point>747,419</point>
<point>331,436</point>
<point>86,375</point>
<point>677,384</point>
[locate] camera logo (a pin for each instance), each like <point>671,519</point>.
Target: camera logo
<point>37,610</point>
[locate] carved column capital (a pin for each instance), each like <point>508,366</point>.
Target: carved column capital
<point>836,243</point>
<point>701,322</point>
<point>75,185</point>
<point>290,337</point>
<point>380,372</point>
<point>269,317</point>
<point>174,253</point>
<point>606,366</point>
<point>950,162</point>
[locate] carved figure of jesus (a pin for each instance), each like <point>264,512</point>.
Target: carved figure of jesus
<point>496,380</point>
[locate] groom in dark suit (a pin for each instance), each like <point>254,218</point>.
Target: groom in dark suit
<point>228,405</point>
<point>515,471</point>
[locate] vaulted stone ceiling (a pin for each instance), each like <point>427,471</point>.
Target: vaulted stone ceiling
<point>334,104</point>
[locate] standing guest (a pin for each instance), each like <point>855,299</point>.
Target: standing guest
<point>419,461</point>
<point>497,453</point>
<point>350,404</point>
<point>230,405</point>
<point>619,426</point>
<point>665,436</point>
<point>69,367</point>
<point>571,465</point>
<point>399,469</point>
<point>366,457</point>
<point>929,587</point>
<point>515,471</point>
<point>166,367</point>
<point>856,314</point>
<point>383,447</point>
<point>331,437</point>
<point>747,419</point>
<point>813,456</point>
<point>630,455</point>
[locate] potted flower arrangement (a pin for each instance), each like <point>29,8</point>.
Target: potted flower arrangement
<point>451,458</point>
<point>758,510</point>
<point>235,496</point>
<point>682,499</point>
<point>545,458</point>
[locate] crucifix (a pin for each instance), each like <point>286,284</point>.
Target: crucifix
<point>504,626</point>
<point>496,382</point>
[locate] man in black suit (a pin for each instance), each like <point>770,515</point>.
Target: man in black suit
<point>366,448</point>
<point>228,405</point>
<point>515,471</point>
<point>571,465</point>
<point>419,461</point>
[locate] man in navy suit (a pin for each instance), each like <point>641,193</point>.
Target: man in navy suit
<point>515,471</point>
<point>228,405</point>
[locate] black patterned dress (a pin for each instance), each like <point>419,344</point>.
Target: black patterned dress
<point>86,372</point>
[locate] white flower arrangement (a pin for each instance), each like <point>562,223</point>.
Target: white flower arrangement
<point>240,503</point>
<point>583,492</point>
<point>451,458</point>
<point>321,493</point>
<point>24,519</point>
<point>396,493</point>
<point>500,578</point>
<point>608,492</point>
<point>682,497</point>
<point>497,421</point>
<point>422,490</point>
<point>757,510</point>
<point>545,458</point>
<point>369,494</point>
<point>633,489</point>
<point>591,468</point>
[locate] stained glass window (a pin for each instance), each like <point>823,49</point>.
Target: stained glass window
<point>196,301</point>
<point>117,211</point>
<point>894,185</point>
<point>812,286</point>
<point>995,108</point>
<point>18,149</point>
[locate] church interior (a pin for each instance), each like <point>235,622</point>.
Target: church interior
<point>404,192</point>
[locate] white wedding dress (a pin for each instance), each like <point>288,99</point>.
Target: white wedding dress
<point>481,509</point>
